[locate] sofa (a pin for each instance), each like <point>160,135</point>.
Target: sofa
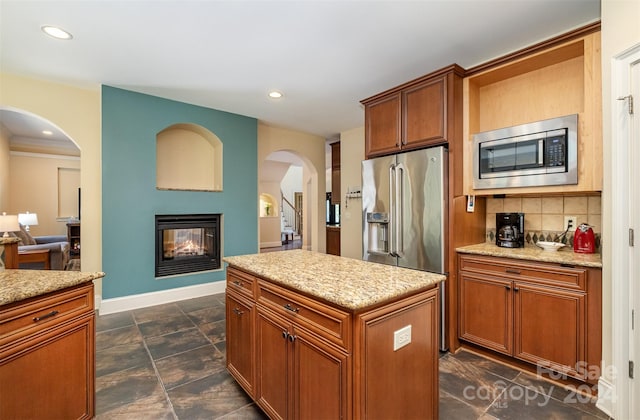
<point>57,245</point>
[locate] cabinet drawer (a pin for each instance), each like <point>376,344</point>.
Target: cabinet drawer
<point>241,282</point>
<point>35,314</point>
<point>324,320</point>
<point>539,272</point>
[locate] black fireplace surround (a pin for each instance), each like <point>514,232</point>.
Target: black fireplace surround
<point>187,243</point>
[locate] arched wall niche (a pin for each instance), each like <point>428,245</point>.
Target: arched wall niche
<point>268,205</point>
<point>188,157</point>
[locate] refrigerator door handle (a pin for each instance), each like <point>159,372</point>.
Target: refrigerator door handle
<point>399,210</point>
<point>392,215</point>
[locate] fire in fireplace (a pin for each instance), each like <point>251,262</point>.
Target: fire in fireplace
<point>187,243</point>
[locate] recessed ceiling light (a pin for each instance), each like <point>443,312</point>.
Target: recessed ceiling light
<point>47,132</point>
<point>57,33</point>
<point>275,94</point>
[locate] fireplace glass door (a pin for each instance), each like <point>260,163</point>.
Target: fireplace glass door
<point>187,243</point>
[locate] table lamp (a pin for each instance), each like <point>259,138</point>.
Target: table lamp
<point>8,223</point>
<point>28,219</point>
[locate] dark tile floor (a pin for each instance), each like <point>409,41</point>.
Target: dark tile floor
<point>168,362</point>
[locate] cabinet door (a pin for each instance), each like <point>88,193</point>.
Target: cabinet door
<point>57,370</point>
<point>240,340</point>
<point>550,327</point>
<point>486,312</point>
<point>425,114</point>
<point>382,126</point>
<point>320,379</point>
<point>273,364</point>
<point>333,241</point>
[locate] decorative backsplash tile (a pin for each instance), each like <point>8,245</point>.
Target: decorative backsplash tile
<point>544,216</point>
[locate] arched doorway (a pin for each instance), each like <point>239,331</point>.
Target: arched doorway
<point>49,163</point>
<point>282,184</point>
<point>311,150</point>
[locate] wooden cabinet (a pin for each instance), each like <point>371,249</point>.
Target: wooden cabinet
<point>240,318</point>
<point>552,79</point>
<point>541,313</point>
<point>73,237</point>
<point>302,359</point>
<point>47,356</point>
<point>315,360</point>
<point>417,114</point>
<point>335,173</point>
<point>333,240</point>
<point>301,376</point>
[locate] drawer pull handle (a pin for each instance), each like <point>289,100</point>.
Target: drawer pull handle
<point>517,289</point>
<point>512,271</point>
<point>237,283</point>
<point>288,307</point>
<point>507,287</point>
<point>238,311</point>
<point>292,338</point>
<point>285,334</point>
<point>45,316</point>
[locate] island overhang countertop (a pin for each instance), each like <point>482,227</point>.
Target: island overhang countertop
<point>347,282</point>
<point>17,285</point>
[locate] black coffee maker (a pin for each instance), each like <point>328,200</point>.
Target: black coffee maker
<point>510,230</point>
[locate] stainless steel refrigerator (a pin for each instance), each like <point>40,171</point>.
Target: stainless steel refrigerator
<point>404,202</point>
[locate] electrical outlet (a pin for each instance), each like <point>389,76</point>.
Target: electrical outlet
<point>401,337</point>
<point>570,222</point>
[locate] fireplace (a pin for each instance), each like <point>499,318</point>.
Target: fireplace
<point>187,243</point>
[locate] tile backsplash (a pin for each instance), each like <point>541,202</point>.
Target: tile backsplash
<point>544,216</point>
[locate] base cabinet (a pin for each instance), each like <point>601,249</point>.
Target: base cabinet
<point>47,356</point>
<point>300,375</point>
<point>240,317</point>
<point>540,313</point>
<point>313,360</point>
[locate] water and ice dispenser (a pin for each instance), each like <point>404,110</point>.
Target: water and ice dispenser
<point>378,233</point>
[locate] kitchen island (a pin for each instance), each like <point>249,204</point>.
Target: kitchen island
<point>47,344</point>
<point>311,335</point>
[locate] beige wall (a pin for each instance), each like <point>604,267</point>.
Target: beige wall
<point>33,187</point>
<point>620,31</point>
<point>351,157</point>
<point>77,112</point>
<point>311,149</point>
<point>4,170</point>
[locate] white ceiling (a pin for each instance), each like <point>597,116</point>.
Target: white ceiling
<point>325,56</point>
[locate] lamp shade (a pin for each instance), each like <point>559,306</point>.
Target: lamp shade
<point>28,219</point>
<point>8,223</point>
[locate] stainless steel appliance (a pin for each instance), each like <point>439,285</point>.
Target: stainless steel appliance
<point>534,154</point>
<point>404,202</point>
<point>510,230</point>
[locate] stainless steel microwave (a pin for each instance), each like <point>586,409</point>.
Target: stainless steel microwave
<point>535,154</point>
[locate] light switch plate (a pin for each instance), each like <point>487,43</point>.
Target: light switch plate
<point>401,337</point>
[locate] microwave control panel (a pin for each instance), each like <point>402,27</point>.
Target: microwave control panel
<point>555,151</point>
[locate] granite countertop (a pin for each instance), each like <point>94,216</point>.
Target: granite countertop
<point>16,285</point>
<point>535,253</point>
<point>347,282</point>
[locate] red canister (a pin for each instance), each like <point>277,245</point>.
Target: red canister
<point>584,241</point>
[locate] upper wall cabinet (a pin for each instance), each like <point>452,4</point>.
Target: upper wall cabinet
<point>414,115</point>
<point>553,80</point>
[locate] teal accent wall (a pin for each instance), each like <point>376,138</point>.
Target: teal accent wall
<point>130,200</point>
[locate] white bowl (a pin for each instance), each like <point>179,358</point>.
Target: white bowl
<point>550,246</point>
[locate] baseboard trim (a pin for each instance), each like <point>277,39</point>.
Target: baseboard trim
<point>270,244</point>
<point>127,303</point>
<point>606,397</point>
